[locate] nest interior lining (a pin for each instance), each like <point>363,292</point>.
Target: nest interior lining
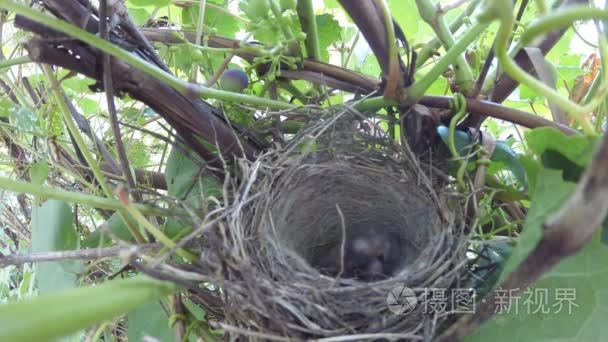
<point>311,205</point>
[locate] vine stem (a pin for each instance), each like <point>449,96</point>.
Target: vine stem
<point>430,14</point>
<point>306,15</point>
<point>502,11</point>
<point>188,89</point>
<point>393,54</point>
<point>427,50</point>
<point>417,90</point>
<point>459,107</point>
<point>80,198</point>
<point>276,10</point>
<point>7,63</point>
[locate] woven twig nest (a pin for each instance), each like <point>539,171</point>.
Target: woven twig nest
<point>331,183</point>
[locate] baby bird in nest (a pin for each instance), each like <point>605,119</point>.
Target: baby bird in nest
<point>368,256</point>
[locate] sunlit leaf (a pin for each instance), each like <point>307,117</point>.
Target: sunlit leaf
<point>53,230</point>
<point>149,320</point>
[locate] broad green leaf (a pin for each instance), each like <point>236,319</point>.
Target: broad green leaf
<point>532,168</point>
<point>550,193</point>
<point>138,152</point>
<point>195,310</point>
<point>149,320</point>
<point>216,17</point>
<point>332,4</point>
<point>26,286</point>
<point>76,85</point>
<point>99,238</point>
<point>6,106</point>
<point>185,181</point>
<point>569,67</point>
<point>139,15</point>
<point>576,148</point>
<point>554,160</point>
<point>182,175</point>
<point>39,172</point>
<point>582,277</point>
<point>329,32</point>
<point>439,87</point>
<point>51,316</point>
<point>530,95</point>
<point>25,119</point>
<point>406,14</point>
<point>53,230</point>
<point>89,106</point>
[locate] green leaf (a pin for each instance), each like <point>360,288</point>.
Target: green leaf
<point>149,3</point>
<point>569,67</point>
<point>52,316</point>
<point>532,168</point>
<point>584,274</point>
<point>25,119</point>
<point>554,160</point>
<point>198,312</point>
<point>550,193</point>
<point>149,320</point>
<point>139,15</point>
<point>505,154</point>
<point>26,287</point>
<point>576,148</point>
<point>406,14</point>
<point>182,174</point>
<point>216,17</point>
<point>561,152</point>
<point>39,172</point>
<point>138,153</point>
<point>99,238</point>
<point>6,105</point>
<point>329,32</point>
<point>185,181</point>
<point>53,230</point>
<point>89,106</point>
<point>331,4</point>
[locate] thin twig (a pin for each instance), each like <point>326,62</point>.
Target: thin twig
<point>109,90</point>
<point>83,254</point>
<point>343,241</point>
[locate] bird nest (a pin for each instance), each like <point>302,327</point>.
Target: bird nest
<point>339,234</point>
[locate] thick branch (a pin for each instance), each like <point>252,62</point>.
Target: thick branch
<point>498,111</point>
